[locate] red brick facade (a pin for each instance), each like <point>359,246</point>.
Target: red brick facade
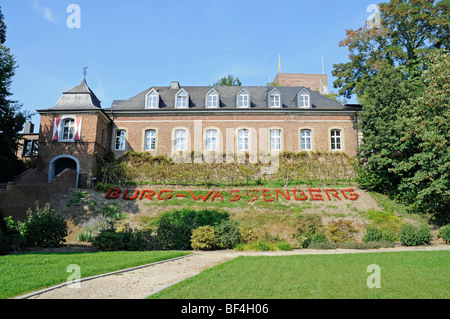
<point>290,126</point>
<point>316,82</point>
<point>97,128</point>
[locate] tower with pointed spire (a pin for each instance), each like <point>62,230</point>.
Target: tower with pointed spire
<point>71,132</point>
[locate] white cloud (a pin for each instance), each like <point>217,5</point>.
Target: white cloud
<point>45,12</point>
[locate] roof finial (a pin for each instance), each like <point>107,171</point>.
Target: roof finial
<point>279,63</point>
<point>85,71</point>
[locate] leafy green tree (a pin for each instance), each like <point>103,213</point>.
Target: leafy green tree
<point>229,80</point>
<point>425,183</point>
<point>400,73</point>
<point>408,31</point>
<point>11,118</point>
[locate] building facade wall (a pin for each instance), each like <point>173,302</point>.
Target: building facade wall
<point>196,126</point>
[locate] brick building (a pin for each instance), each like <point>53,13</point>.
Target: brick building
<point>315,82</point>
<point>177,119</point>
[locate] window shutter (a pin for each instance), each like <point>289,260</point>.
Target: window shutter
<point>78,122</point>
<point>56,128</point>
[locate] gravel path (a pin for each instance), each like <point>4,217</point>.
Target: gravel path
<point>142,282</point>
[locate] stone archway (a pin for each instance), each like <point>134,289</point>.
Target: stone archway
<point>60,163</point>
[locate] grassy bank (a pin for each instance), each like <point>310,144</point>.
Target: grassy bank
<point>403,275</point>
<point>20,274</point>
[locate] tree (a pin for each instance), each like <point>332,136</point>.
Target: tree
<point>405,150</point>
<point>11,118</point>
<point>229,80</point>
<point>401,74</point>
<point>425,183</point>
<point>408,31</point>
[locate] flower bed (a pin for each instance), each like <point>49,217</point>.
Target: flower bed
<point>233,195</point>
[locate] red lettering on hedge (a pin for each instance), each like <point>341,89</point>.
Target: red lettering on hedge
<point>352,196</point>
<point>302,194</point>
<point>204,198</point>
<point>335,193</point>
<point>235,197</point>
<point>113,193</point>
<point>164,191</point>
<point>217,195</point>
<point>315,193</point>
<point>254,196</point>
<point>286,196</point>
<point>148,193</point>
<point>266,197</point>
<point>126,197</point>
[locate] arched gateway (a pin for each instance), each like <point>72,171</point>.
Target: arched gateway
<point>60,163</point>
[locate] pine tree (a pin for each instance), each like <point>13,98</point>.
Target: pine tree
<point>11,118</point>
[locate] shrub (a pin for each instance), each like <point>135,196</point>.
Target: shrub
<point>44,227</point>
<point>323,245</point>
<point>352,245</point>
<point>415,235</point>
<point>109,240</point>
<point>340,231</point>
<point>264,245</point>
<point>306,239</point>
<point>93,227</point>
<point>138,240</point>
<point>10,238</point>
<point>204,238</point>
<point>282,245</point>
<point>228,233</point>
<point>444,233</point>
<point>311,223</point>
<point>310,230</point>
<point>247,234</point>
<point>379,234</point>
<point>174,229</point>
<point>372,234</point>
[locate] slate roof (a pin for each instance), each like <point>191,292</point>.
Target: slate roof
<point>79,98</point>
<point>227,97</point>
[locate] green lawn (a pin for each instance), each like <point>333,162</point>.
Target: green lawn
<point>403,275</point>
<point>20,274</point>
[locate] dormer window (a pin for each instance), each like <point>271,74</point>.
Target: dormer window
<point>243,99</point>
<point>152,100</point>
<point>275,99</point>
<point>182,100</point>
<point>212,99</point>
<point>304,99</point>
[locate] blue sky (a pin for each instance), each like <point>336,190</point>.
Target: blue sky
<point>130,46</point>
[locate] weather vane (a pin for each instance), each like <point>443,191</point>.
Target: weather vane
<point>85,71</point>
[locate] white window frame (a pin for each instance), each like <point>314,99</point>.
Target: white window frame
<point>275,100</point>
<point>243,99</point>
<point>336,139</point>
<point>180,140</point>
<point>120,141</point>
<point>211,140</point>
<point>304,101</point>
<point>212,99</point>
<point>150,140</point>
<point>275,139</point>
<point>305,140</point>
<point>182,100</point>
<point>243,139</point>
<point>71,129</point>
<point>152,101</point>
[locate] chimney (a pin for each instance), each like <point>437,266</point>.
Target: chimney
<point>29,128</point>
<point>175,85</point>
